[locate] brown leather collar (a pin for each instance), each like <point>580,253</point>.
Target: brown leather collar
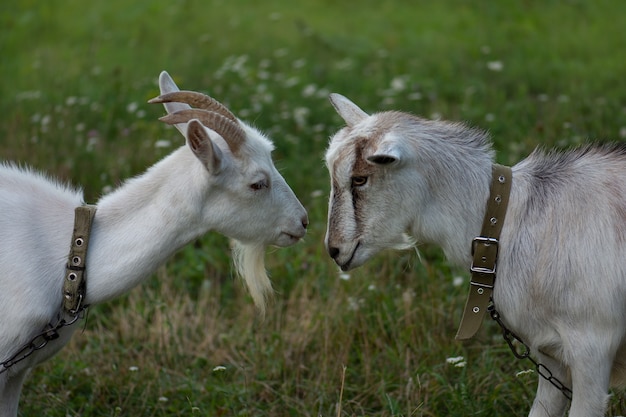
<point>74,285</point>
<point>485,253</point>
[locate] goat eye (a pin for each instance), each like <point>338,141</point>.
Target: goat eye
<point>259,185</point>
<point>359,181</point>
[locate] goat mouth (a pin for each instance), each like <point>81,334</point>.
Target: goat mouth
<point>287,239</point>
<point>346,265</point>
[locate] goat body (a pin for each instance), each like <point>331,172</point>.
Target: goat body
<point>223,180</point>
<point>561,286</point>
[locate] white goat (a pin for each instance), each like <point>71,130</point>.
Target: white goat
<point>222,180</point>
<point>561,283</point>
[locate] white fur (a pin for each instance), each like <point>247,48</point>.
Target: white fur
<point>561,282</point>
<point>136,228</point>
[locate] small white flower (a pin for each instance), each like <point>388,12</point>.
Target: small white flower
<point>496,66</point>
<point>300,115</point>
<point>458,281</point>
<point>399,83</point>
<point>455,359</point>
<point>279,53</point>
<point>309,90</point>
<point>562,98</point>
<point>219,368</point>
<point>344,64</point>
<point>133,368</point>
<point>298,63</point>
<point>527,371</point>
<point>354,304</point>
<point>291,82</point>
<point>162,143</point>
<point>343,276</point>
<point>132,107</point>
<point>163,399</point>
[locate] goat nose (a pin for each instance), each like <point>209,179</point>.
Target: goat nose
<point>305,222</point>
<point>333,252</point>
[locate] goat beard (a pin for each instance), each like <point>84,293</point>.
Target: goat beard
<point>249,260</point>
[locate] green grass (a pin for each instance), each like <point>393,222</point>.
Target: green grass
<point>75,80</point>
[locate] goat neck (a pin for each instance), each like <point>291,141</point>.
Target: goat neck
<point>141,224</point>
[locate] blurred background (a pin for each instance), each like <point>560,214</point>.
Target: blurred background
<point>75,80</point>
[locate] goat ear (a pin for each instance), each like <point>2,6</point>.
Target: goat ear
<point>203,147</point>
<point>349,112</point>
<point>385,154</point>
<point>167,85</point>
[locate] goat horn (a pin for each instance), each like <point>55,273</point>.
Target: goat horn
<point>230,130</point>
<point>195,99</point>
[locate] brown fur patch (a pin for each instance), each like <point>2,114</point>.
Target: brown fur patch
<point>358,149</point>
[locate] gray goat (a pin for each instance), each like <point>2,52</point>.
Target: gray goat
<point>561,286</point>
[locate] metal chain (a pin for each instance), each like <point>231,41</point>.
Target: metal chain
<point>541,369</point>
<point>49,333</point>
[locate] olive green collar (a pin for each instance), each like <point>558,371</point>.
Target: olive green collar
<point>74,285</point>
<point>485,253</point>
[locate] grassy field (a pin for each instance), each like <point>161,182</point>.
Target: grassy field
<point>378,342</point>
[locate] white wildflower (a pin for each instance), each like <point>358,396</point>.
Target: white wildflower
<point>399,83</point>
<point>300,115</point>
<point>496,66</point>
<point>457,361</point>
<point>527,371</point>
<point>132,107</point>
<point>309,90</point>
<point>162,143</point>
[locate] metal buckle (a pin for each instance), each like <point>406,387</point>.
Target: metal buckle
<point>487,241</point>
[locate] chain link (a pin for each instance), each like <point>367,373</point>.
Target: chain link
<point>49,333</point>
<point>541,369</point>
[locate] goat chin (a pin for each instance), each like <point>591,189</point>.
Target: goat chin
<point>249,260</point>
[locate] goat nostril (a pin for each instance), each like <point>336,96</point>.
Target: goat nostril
<point>333,252</point>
